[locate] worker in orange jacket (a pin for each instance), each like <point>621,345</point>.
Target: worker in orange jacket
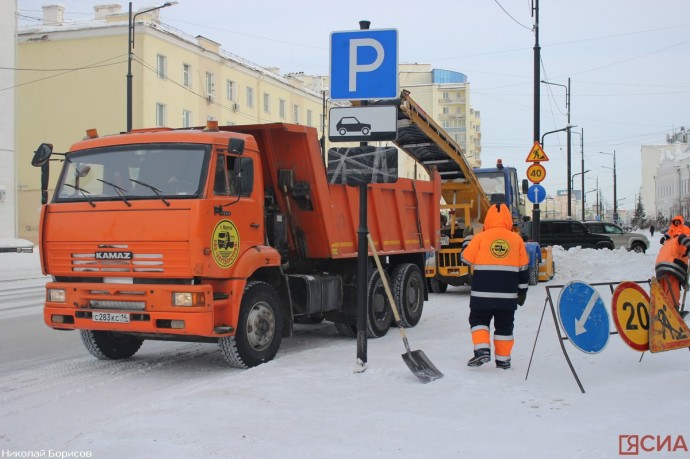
<point>499,284</point>
<point>671,267</point>
<point>677,227</point>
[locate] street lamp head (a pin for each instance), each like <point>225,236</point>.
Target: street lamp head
<point>169,4</point>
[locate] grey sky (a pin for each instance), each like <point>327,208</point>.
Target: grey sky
<point>627,60</point>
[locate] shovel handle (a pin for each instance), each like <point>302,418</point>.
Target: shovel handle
<point>384,280</point>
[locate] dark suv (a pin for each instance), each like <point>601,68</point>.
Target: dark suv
<point>567,234</point>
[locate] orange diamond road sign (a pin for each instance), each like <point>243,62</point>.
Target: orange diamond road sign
<point>536,173</point>
<point>536,154</point>
<point>667,330</point>
<point>630,308</point>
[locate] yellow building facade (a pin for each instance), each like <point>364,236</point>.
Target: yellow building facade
<point>72,77</point>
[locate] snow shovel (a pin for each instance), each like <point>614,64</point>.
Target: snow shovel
<point>417,361</point>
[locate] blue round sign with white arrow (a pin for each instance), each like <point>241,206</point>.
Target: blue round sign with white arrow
<point>583,317</point>
<point>536,193</point>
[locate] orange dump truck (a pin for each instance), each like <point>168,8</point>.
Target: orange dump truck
<point>224,234</point>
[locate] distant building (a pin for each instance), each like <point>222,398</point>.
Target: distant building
<point>76,79</point>
<point>445,95</point>
<point>666,177</point>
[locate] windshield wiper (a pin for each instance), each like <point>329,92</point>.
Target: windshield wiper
<point>119,190</point>
<point>152,188</point>
<point>83,193</point>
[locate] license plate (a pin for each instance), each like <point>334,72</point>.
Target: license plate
<point>116,317</point>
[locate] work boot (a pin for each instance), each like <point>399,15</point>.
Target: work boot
<point>503,364</point>
<point>481,356</point>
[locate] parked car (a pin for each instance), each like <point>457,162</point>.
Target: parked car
<point>621,238</point>
<point>567,234</point>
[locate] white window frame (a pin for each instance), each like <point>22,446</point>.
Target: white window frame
<point>160,114</point>
<point>230,90</point>
<point>187,75</point>
<point>186,118</point>
<point>161,66</point>
<point>267,103</point>
<point>281,108</point>
<point>210,85</point>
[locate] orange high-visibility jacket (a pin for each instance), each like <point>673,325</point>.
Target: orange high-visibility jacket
<point>676,230</point>
<point>499,261</point>
<point>672,258</point>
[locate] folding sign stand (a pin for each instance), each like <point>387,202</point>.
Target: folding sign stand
<point>563,336</point>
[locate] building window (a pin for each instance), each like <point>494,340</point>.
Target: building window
<point>210,86</point>
<point>267,103</point>
<point>230,88</point>
<point>186,118</point>
<point>250,97</point>
<point>309,119</point>
<point>187,75</point>
<point>281,108</point>
<point>161,66</point>
<point>295,113</point>
<point>160,115</point>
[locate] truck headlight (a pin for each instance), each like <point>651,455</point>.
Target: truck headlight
<point>188,299</point>
<point>56,295</point>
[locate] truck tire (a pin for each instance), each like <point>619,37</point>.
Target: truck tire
<point>259,328</point>
<point>533,274</point>
<point>437,286</point>
<point>379,312</point>
<point>106,345</point>
<point>408,292</point>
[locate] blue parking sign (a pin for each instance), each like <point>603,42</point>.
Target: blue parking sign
<point>364,64</point>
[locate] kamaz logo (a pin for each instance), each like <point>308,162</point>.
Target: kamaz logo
<point>114,255</point>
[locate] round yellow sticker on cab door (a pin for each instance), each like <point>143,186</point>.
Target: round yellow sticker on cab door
<point>225,243</point>
<point>630,308</point>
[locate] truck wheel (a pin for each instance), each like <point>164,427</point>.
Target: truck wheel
<point>106,345</point>
<point>533,274</point>
<point>259,328</point>
<point>408,292</point>
<point>379,312</point>
<point>437,286</point>
<point>638,247</point>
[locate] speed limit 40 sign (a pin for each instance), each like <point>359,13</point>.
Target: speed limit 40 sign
<point>536,173</point>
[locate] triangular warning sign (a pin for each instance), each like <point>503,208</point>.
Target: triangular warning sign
<point>667,329</point>
<point>536,154</point>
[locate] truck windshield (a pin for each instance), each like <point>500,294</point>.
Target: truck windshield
<point>492,182</point>
<point>134,172</point>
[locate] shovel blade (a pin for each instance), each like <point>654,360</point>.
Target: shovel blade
<point>421,366</point>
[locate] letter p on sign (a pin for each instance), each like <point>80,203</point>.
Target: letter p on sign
<point>364,64</point>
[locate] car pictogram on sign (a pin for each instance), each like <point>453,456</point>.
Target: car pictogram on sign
<point>352,124</point>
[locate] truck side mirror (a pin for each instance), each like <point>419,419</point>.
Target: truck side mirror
<point>525,186</point>
<point>42,154</point>
<point>236,146</point>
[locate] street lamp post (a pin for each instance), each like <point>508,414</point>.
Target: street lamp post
<point>130,55</point>
<point>583,189</point>
<point>615,203</point>
<point>568,154</point>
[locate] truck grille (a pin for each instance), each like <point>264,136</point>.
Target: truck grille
<point>140,263</point>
